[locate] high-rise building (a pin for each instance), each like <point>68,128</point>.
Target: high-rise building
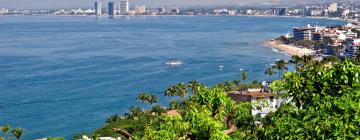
<point>111,9</point>
<point>283,11</point>
<point>161,10</point>
<point>333,7</point>
<point>140,9</point>
<point>124,7</point>
<point>98,8</point>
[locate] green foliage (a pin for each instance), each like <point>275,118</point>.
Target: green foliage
<point>57,138</point>
<point>324,103</point>
<point>17,132</point>
<point>147,98</point>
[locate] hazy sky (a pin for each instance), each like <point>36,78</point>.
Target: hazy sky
<point>38,4</point>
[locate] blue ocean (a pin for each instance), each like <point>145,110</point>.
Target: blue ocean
<point>63,75</point>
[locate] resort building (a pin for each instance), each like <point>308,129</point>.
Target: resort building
<point>161,10</point>
<point>302,33</point>
<point>140,9</point>
<point>333,7</point>
<point>352,48</point>
<point>264,102</point>
<point>124,7</point>
<point>3,11</point>
<point>98,8</point>
<point>111,9</point>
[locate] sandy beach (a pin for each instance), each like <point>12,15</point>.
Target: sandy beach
<point>288,49</point>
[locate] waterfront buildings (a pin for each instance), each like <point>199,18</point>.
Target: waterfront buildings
<point>175,11</point>
<point>111,9</point>
<point>302,33</point>
<point>124,7</point>
<point>352,48</point>
<point>3,11</point>
<point>161,10</point>
<point>98,8</point>
<point>140,9</point>
<point>333,7</point>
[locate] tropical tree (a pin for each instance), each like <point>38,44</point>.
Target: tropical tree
<point>147,98</point>
<point>152,99</point>
<point>181,90</point>
<point>142,97</point>
<point>236,82</point>
<point>323,103</point>
<point>280,65</point>
<point>5,129</point>
<point>193,85</point>
<point>270,71</point>
<point>244,76</point>
<point>17,132</point>
<point>170,91</point>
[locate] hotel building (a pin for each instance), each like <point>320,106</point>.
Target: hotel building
<point>111,9</point>
<point>124,7</point>
<point>98,8</point>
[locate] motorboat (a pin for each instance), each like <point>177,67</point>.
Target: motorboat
<point>174,62</point>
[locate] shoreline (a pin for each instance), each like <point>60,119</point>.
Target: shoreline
<point>288,49</point>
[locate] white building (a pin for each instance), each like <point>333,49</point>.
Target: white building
<point>263,102</point>
<point>333,7</point>
<point>3,11</point>
<point>140,9</point>
<point>98,8</point>
<point>124,7</point>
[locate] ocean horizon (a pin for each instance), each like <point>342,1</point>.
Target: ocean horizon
<point>60,75</point>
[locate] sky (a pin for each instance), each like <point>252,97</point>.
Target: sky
<point>46,4</point>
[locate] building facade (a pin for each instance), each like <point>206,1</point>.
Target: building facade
<point>140,9</point>
<point>302,33</point>
<point>263,102</point>
<point>111,9</point>
<point>333,7</point>
<point>98,8</point>
<point>124,7</point>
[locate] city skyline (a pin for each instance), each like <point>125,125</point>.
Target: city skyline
<point>44,4</point>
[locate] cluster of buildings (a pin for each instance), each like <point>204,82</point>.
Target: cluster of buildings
<point>344,39</point>
<point>3,11</point>
<point>122,8</point>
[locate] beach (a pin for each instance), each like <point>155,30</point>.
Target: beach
<point>288,49</point>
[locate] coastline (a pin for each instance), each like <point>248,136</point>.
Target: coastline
<point>288,49</point>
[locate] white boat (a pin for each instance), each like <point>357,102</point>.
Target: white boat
<point>174,62</point>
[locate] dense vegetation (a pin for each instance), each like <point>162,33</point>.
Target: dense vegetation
<point>322,102</point>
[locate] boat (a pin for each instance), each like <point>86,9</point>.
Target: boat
<point>174,62</point>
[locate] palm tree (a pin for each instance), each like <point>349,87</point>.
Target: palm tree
<point>17,132</point>
<point>174,104</point>
<point>244,76</point>
<point>193,85</point>
<point>152,99</point>
<point>142,97</point>
<point>237,82</point>
<point>280,65</point>
<point>170,91</point>
<point>181,90</point>
<point>270,71</point>
<point>5,129</point>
